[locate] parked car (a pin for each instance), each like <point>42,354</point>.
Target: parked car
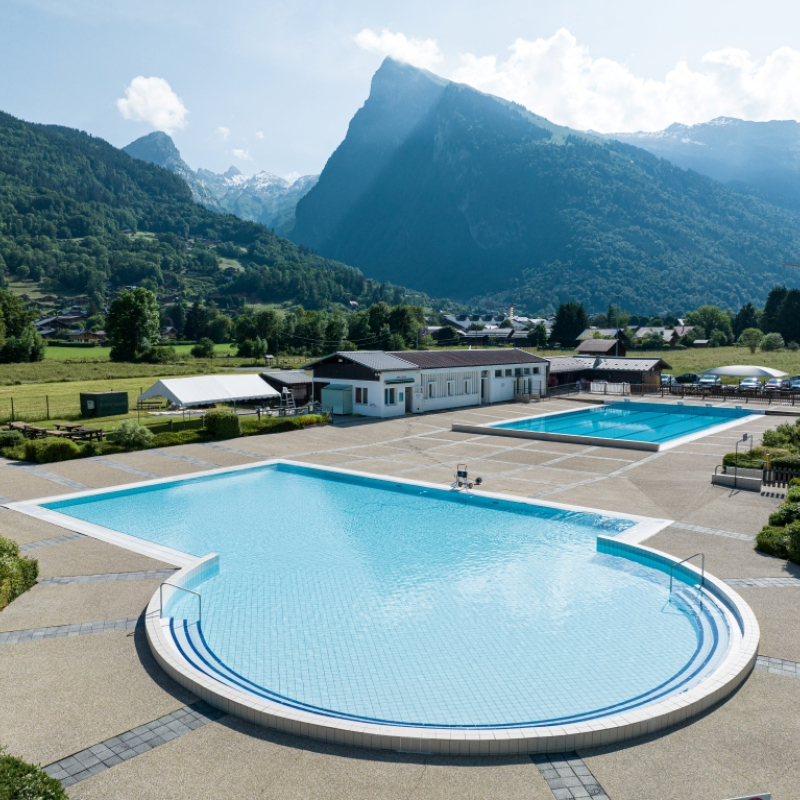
<point>688,377</point>
<point>709,381</point>
<point>776,384</point>
<point>669,380</point>
<point>750,385</point>
<point>795,386</point>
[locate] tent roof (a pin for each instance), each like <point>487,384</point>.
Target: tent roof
<point>206,389</point>
<point>745,371</point>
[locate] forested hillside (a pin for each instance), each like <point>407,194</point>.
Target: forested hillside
<point>480,199</point>
<point>73,208</point>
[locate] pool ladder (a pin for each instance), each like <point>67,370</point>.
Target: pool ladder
<point>182,589</point>
<point>689,558</point>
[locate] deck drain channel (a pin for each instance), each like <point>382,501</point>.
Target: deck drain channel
<point>75,629</point>
<point>67,537</point>
<point>132,743</point>
<point>109,577</point>
<point>715,531</point>
<point>778,666</point>
<point>51,476</point>
<point>185,459</point>
<point>568,776</point>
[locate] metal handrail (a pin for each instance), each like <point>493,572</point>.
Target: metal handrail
<point>183,589</point>
<point>689,558</point>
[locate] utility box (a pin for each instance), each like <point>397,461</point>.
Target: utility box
<point>338,398</point>
<point>103,404</point>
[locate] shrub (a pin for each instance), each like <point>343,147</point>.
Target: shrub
<point>793,543</point>
<point>786,462</point>
<point>793,346</point>
<point>10,439</point>
<point>159,355</point>
<point>44,451</point>
<point>17,574</point>
<point>170,439</point>
<point>786,513</point>
<point>755,458</point>
<point>223,424</point>
<point>793,493</point>
<point>132,435</point>
<point>772,342</point>
<point>22,781</point>
<point>204,348</point>
<point>773,541</point>
<point>251,426</point>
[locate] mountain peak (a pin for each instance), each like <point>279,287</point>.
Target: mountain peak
<point>231,173</point>
<point>157,148</point>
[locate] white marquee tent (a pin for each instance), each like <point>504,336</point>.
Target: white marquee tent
<point>207,389</point>
<point>745,371</point>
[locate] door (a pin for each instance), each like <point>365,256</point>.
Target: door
<point>484,398</point>
<point>409,393</point>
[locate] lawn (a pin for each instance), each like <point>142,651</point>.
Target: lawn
<point>56,353</point>
<point>699,359</point>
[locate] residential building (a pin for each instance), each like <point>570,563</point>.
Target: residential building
<point>601,347</point>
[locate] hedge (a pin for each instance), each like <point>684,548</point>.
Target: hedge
<point>22,781</point>
<point>44,451</point>
<point>223,424</point>
<point>17,574</point>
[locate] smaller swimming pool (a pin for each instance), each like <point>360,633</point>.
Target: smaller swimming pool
<point>649,426</point>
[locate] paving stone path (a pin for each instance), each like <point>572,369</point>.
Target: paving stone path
<point>778,666</point>
<point>51,476</point>
<point>24,548</point>
<point>185,459</point>
<point>715,531</point>
<point>110,462</point>
<point>762,583</point>
<point>75,629</point>
<point>568,776</point>
<point>132,743</point>
<point>110,577</point>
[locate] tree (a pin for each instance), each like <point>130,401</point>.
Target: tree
<point>132,324</point>
<point>769,316</point>
<point>789,316</point>
<point>447,335</point>
<point>19,340</point>
<point>710,319</point>
<point>177,315</point>
<point>571,320</point>
<point>197,320</point>
<point>747,317</point>
<point>717,339</point>
<point>771,342</point>
<point>204,348</point>
<point>751,337</point>
<point>537,335</point>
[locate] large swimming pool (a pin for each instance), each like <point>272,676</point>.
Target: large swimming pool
<point>387,602</point>
<point>626,421</point>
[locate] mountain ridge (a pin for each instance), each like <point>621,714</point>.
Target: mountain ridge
<point>477,198</point>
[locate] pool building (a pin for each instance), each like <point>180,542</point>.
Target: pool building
<point>390,384</point>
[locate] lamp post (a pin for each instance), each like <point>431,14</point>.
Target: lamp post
<point>616,343</point>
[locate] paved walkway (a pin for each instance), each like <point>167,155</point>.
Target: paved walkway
<point>105,714</point>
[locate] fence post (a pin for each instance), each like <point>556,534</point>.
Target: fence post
<point>13,419</point>
<point>47,403</point>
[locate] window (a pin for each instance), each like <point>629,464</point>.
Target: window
<point>467,387</point>
<point>518,371</point>
<point>449,388</point>
<point>526,371</point>
<point>431,390</point>
<point>389,397</point>
<point>361,396</point>
<point>508,373</point>
<point>364,396</point>
<point>358,395</point>
<point>498,373</point>
<point>536,370</point>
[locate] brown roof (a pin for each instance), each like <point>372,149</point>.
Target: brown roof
<point>603,346</point>
<point>439,359</point>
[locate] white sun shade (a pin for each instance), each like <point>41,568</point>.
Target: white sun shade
<point>206,389</point>
<point>745,371</point>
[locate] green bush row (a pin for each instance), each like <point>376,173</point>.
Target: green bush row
<point>17,574</point>
<point>781,538</point>
<point>22,781</point>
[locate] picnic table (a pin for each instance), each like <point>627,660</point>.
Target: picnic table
<point>67,426</point>
<point>87,434</point>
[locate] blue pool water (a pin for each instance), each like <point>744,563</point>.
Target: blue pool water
<point>369,600</point>
<point>639,422</point>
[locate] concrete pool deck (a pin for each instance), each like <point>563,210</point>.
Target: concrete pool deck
<point>69,694</point>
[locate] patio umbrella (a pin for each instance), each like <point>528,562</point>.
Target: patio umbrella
<point>745,371</point>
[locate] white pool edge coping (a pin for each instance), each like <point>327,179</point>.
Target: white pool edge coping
<point>492,429</point>
<point>733,670</point>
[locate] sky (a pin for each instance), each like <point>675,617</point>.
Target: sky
<point>273,85</point>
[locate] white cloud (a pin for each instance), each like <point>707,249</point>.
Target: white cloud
<point>152,100</point>
<point>423,53</point>
<point>244,155</point>
<point>224,132</point>
<point>560,80</point>
<point>259,134</point>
